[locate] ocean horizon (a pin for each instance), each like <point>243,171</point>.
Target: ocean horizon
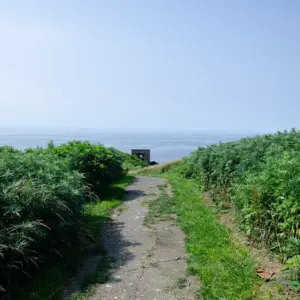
<point>165,145</point>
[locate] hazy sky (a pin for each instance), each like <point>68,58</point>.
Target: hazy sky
<point>150,63</point>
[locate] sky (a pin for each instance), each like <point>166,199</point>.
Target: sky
<point>155,64</point>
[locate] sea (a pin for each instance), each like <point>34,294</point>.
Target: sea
<point>164,145</point>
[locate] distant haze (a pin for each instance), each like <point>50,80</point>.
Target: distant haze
<point>164,146</point>
<point>160,64</point>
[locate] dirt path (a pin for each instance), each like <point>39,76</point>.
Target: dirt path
<point>149,263</point>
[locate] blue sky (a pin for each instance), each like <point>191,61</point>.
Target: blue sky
<point>150,64</point>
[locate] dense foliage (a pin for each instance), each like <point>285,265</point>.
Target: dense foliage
<point>260,176</point>
<point>100,166</point>
<point>40,200</point>
<point>42,193</point>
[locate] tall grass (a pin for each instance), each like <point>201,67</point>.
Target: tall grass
<point>42,193</point>
<point>40,201</point>
<point>260,177</point>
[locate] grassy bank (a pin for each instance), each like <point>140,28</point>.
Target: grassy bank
<point>225,264</point>
<point>259,178</point>
<point>50,201</point>
<point>212,250</point>
<point>224,268</point>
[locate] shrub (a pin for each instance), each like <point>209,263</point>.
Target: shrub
<point>260,175</point>
<point>190,167</point>
<point>269,203</point>
<point>40,205</point>
<point>100,166</point>
<point>42,193</point>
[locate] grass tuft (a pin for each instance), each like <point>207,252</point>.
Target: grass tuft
<point>160,209</point>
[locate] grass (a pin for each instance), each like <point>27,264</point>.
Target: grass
<point>225,269</point>
<point>43,193</point>
<point>53,279</point>
<point>224,263</point>
<point>160,209</point>
<point>97,213</point>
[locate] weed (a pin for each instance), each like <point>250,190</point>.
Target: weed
<point>160,209</point>
<point>180,283</point>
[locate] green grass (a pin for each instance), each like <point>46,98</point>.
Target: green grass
<point>160,209</point>
<point>225,269</point>
<point>53,278</point>
<point>97,213</point>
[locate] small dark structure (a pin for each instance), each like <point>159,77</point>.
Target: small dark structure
<point>143,154</point>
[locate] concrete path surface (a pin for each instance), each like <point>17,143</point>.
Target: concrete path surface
<point>149,263</point>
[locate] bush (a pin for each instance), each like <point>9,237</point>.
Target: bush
<point>40,205</point>
<point>100,166</point>
<point>269,203</point>
<point>260,176</point>
<point>189,167</point>
<point>42,193</point>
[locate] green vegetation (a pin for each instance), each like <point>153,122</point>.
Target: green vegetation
<point>181,282</point>
<point>225,269</point>
<point>50,210</point>
<point>52,279</point>
<point>130,162</point>
<point>54,202</point>
<point>96,215</point>
<point>100,166</point>
<point>160,209</point>
<point>259,176</point>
